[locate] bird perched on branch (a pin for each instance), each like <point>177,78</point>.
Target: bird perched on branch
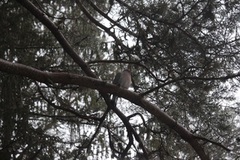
<point>122,79</point>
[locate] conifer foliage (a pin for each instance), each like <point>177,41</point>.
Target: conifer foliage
<point>58,60</point>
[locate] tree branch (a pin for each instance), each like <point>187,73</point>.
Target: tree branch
<point>44,77</point>
<point>97,130</point>
<point>65,108</point>
<point>163,22</point>
<point>103,87</point>
<point>222,78</point>
<point>137,63</point>
<point>110,19</point>
<point>41,16</point>
<point>131,131</point>
<point>92,19</point>
<point>213,142</point>
<point>144,122</point>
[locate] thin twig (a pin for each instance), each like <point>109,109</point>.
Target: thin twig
<point>65,108</point>
<point>213,142</point>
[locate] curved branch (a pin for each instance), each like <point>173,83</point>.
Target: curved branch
<point>49,78</point>
<point>103,87</point>
<point>58,35</point>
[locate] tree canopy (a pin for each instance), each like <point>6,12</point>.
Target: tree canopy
<point>58,60</point>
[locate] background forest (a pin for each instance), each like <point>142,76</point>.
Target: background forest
<point>58,59</point>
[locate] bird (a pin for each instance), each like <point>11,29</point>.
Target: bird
<point>123,80</point>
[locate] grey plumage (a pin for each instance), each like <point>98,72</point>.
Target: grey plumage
<point>122,79</point>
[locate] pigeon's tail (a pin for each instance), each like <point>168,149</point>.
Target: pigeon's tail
<point>114,99</point>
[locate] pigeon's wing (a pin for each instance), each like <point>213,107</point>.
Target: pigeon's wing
<point>116,80</point>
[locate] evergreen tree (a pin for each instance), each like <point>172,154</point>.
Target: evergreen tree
<point>57,60</point>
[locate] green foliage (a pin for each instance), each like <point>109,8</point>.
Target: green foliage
<point>179,47</point>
